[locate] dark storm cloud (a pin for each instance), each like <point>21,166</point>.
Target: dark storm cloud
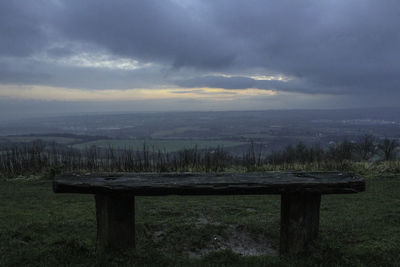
<point>31,72</point>
<point>22,28</point>
<point>327,47</point>
<point>149,30</point>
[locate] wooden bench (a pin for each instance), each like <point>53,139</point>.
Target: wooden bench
<point>300,198</point>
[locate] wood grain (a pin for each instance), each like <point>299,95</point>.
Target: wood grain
<point>152,184</point>
<point>115,217</point>
<point>299,221</point>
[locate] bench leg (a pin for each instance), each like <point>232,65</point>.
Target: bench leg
<point>299,221</point>
<point>115,222</point>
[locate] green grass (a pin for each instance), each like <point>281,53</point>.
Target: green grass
<point>163,145</point>
<point>40,228</point>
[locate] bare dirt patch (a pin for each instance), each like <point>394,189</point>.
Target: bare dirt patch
<point>234,237</point>
<point>240,241</point>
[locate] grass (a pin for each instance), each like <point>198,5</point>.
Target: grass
<point>162,145</point>
<point>40,228</point>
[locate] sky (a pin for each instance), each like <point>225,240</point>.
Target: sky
<point>65,56</point>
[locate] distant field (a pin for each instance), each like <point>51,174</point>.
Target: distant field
<point>175,131</point>
<point>26,139</point>
<point>164,145</point>
<point>258,135</point>
<point>268,136</point>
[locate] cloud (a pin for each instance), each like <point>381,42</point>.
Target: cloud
<point>151,30</point>
<point>219,82</point>
<point>22,28</point>
<point>333,47</point>
<point>80,73</point>
<point>240,82</point>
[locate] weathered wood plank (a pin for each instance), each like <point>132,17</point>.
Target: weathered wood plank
<point>146,184</point>
<point>115,217</point>
<point>299,221</point>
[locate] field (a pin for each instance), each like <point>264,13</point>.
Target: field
<point>275,128</point>
<point>40,228</point>
<point>162,145</point>
<point>27,139</point>
<point>175,131</point>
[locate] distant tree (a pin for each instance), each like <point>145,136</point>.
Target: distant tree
<point>289,154</point>
<point>366,146</point>
<point>388,148</point>
<point>253,157</point>
<point>301,152</point>
<point>316,153</point>
<point>346,150</point>
<point>341,152</point>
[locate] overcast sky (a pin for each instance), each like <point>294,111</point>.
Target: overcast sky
<point>100,55</point>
